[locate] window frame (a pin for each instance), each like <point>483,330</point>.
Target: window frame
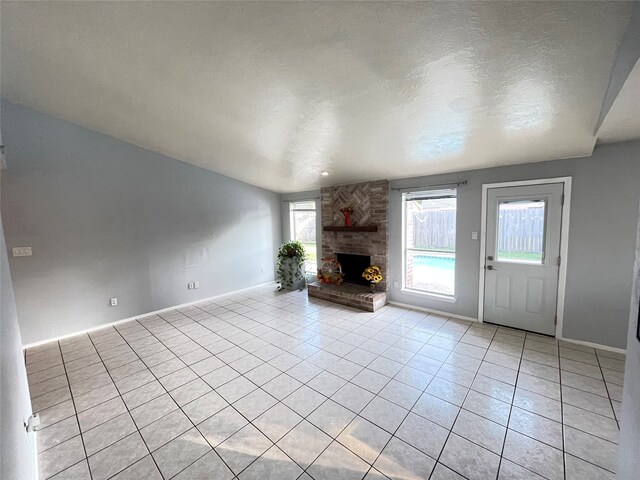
<point>425,194</point>
<point>292,228</point>
<point>543,240</point>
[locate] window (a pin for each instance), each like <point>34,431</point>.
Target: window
<point>303,229</point>
<point>520,236</point>
<point>430,241</point>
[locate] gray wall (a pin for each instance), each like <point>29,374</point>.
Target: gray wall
<point>17,448</point>
<point>628,459</point>
<point>606,187</point>
<point>108,219</point>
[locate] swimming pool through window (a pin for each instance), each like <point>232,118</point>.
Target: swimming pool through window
<point>430,241</point>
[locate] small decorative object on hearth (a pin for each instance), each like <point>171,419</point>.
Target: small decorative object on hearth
<point>291,257</point>
<point>347,211</point>
<point>330,272</point>
<point>373,275</point>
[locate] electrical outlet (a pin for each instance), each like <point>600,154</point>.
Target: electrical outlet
<point>114,302</point>
<point>190,286</point>
<point>395,285</point>
<point>21,251</point>
<point>196,284</point>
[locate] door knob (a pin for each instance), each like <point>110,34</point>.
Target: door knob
<point>490,267</point>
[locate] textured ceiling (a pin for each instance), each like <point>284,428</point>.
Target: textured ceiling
<point>623,120</point>
<point>273,93</point>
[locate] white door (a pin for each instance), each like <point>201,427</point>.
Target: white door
<point>523,256</point>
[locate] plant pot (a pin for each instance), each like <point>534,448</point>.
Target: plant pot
<point>292,276</point>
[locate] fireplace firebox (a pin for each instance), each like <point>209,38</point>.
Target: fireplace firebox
<point>353,266</point>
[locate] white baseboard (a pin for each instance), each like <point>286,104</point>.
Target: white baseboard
<point>399,304</point>
<point>34,455</point>
<point>469,319</point>
<point>145,314</point>
<point>437,312</point>
<point>594,345</point>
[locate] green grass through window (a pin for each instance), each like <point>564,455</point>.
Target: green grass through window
<point>526,256</point>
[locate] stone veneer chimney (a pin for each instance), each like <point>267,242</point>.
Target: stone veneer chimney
<point>370,203</point>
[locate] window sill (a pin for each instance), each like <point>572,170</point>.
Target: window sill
<point>434,296</point>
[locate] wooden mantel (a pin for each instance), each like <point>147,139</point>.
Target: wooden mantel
<point>353,228</point>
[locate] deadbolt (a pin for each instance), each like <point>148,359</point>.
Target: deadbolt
<point>489,257</point>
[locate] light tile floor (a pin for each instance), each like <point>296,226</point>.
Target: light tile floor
<point>266,385</point>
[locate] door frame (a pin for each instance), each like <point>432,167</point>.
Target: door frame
<point>564,242</point>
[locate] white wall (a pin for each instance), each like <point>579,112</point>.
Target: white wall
<point>629,446</point>
<point>17,447</point>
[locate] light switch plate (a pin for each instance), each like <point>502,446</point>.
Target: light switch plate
<point>474,235</point>
<point>21,251</point>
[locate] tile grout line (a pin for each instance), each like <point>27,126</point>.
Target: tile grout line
<point>167,392</point>
<point>128,412</point>
<point>564,454</point>
<point>256,367</point>
<point>240,413</point>
<point>121,397</point>
<point>606,386</point>
<point>336,439</point>
<point>76,416</point>
<point>335,323</point>
<point>249,353</point>
<point>125,377</point>
<point>513,397</point>
<point>306,418</point>
<point>281,402</point>
<point>357,414</point>
<point>404,418</point>
<point>249,422</point>
<point>444,445</point>
<point>194,399</point>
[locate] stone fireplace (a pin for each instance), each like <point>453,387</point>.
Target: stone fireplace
<point>367,237</point>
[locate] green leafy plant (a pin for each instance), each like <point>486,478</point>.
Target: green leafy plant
<point>290,263</point>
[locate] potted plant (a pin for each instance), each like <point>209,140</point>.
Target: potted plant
<point>291,257</point>
<point>373,275</point>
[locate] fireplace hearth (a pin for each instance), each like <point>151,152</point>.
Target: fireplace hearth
<point>357,296</point>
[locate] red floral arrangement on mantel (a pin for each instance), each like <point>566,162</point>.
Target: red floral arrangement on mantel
<point>347,211</point>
